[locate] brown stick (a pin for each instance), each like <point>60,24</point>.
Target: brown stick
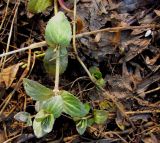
<point>114,29</point>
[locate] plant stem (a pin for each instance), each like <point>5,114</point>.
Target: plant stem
<point>55,6</point>
<point>74,43</point>
<point>62,4</point>
<point>56,86</point>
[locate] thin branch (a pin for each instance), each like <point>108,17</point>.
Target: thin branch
<point>43,43</point>
<point>32,46</point>
<point>115,29</point>
<point>143,112</point>
<point>74,42</point>
<point>62,4</point>
<point>4,18</point>
<point>153,90</point>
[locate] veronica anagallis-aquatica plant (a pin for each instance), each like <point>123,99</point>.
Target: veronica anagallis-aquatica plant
<point>50,104</point>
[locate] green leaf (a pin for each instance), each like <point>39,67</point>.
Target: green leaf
<point>90,121</point>
<point>37,126</point>
<point>101,82</point>
<point>38,131</point>
<point>54,105</point>
<point>36,90</point>
<point>87,107</point>
<point>38,105</point>
<point>50,61</point>
<point>81,126</point>
<point>72,105</point>
<point>58,31</point>
<point>100,116</point>
<point>107,105</point>
<point>29,122</point>
<point>24,117</point>
<point>47,123</point>
<point>95,72</point>
<point>37,6</point>
<point>41,115</point>
<point>43,123</point>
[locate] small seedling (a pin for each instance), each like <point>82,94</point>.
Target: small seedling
<point>97,76</point>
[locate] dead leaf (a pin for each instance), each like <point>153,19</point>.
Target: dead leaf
<point>157,12</point>
<point>107,105</point>
<point>119,86</point>
<point>140,117</point>
<point>136,77</point>
<point>151,139</point>
<point>153,60</point>
<point>138,31</point>
<point>79,24</point>
<point>120,121</point>
<point>116,38</point>
<point>135,46</point>
<point>8,74</point>
<point>145,83</point>
<point>98,37</point>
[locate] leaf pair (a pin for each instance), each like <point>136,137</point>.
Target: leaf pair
<point>67,101</point>
<point>57,34</point>
<point>50,107</point>
<point>99,117</point>
<point>43,123</point>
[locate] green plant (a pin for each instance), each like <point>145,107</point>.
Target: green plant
<point>51,104</point>
<point>97,76</point>
<point>37,6</point>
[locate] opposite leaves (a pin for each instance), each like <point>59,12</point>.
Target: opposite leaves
<point>43,123</point>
